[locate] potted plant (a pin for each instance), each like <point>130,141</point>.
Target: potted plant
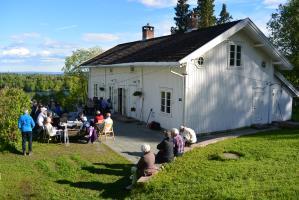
<point>137,93</point>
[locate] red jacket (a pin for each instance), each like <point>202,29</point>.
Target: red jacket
<point>99,119</point>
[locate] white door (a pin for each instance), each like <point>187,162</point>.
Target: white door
<point>275,98</point>
<point>258,105</point>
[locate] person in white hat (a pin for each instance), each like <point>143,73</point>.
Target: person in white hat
<point>188,134</point>
<point>145,166</point>
<point>40,121</point>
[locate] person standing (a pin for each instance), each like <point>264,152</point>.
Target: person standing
<point>26,124</point>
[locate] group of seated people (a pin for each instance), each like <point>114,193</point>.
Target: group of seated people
<point>95,126</point>
<point>171,146</point>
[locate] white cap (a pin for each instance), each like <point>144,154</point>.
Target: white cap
<point>84,119</point>
<point>145,148</point>
<point>175,131</point>
<point>43,109</point>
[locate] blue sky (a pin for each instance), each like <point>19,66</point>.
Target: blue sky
<point>36,35</point>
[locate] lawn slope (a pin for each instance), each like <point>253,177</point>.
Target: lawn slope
<point>79,171</point>
<point>267,169</point>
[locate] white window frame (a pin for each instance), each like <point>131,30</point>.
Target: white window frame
<point>235,54</point>
<point>166,102</point>
<point>95,90</point>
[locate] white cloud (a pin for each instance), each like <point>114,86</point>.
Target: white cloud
<point>272,4</point>
<point>25,36</point>
<point>18,52</point>
<point>11,61</point>
<point>99,37</point>
<point>66,27</point>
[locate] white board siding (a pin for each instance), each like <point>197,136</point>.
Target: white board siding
<point>221,98</point>
<point>282,102</point>
<point>153,80</point>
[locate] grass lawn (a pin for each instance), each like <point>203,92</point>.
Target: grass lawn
<point>267,169</point>
<point>54,171</point>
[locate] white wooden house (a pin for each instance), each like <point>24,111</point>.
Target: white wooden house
<point>217,78</point>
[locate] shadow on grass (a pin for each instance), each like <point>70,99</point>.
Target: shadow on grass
<point>10,149</point>
<point>112,190</point>
<point>133,153</point>
<point>115,190</point>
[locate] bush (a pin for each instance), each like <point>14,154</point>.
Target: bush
<point>12,104</point>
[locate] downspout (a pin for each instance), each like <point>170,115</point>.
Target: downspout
<point>142,90</point>
<point>105,84</point>
<point>184,93</point>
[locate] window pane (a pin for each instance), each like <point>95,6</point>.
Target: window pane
<point>168,95</point>
<point>238,62</point>
<point>162,108</point>
<point>238,49</point>
<point>232,48</point>
<point>231,62</point>
<point>163,102</point>
<point>168,110</point>
<point>168,102</point>
<point>162,95</point>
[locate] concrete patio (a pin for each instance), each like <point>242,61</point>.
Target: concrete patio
<point>130,136</point>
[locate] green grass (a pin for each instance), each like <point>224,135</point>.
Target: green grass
<point>268,168</point>
<point>79,171</point>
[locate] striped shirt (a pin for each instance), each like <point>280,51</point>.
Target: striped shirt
<point>179,144</point>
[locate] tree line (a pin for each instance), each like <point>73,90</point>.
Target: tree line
<point>199,17</point>
<point>283,25</point>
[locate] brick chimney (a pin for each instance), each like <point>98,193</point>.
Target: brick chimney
<point>147,32</point>
<point>192,22</point>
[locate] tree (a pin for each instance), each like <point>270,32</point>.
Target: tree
<point>224,16</point>
<point>13,102</point>
<point>205,11</point>
<point>72,68</point>
<point>72,62</point>
<point>182,17</point>
<point>283,27</point>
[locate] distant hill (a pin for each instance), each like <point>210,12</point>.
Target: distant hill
<point>46,73</point>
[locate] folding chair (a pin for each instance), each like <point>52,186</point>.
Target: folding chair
<point>48,136</point>
<point>107,131</point>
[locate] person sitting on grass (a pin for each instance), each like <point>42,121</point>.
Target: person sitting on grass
<point>145,166</point>
<point>26,124</point>
<point>178,142</point>
<point>189,135</point>
<point>165,154</point>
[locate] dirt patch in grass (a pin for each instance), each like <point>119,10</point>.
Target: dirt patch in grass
<point>26,189</point>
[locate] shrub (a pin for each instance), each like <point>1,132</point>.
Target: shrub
<point>12,104</point>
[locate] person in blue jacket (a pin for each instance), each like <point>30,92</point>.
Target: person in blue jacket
<point>26,125</point>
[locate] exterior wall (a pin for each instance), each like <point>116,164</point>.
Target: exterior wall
<point>148,80</point>
<point>282,102</point>
<point>220,97</point>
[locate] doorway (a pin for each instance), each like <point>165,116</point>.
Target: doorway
<point>121,108</point>
<point>258,105</point>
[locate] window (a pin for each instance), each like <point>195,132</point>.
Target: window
<point>111,70</point>
<point>235,55</point>
<point>132,69</point>
<point>198,62</point>
<point>166,101</point>
<point>95,90</point>
<point>264,64</point>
